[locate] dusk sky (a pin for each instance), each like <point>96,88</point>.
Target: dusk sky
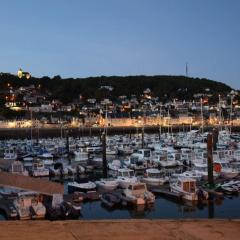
<point>80,38</point>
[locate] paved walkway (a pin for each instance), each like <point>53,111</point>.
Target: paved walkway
<point>121,229</point>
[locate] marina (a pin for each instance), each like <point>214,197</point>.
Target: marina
<point>155,176</point>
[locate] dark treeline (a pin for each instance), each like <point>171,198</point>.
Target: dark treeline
<point>164,87</point>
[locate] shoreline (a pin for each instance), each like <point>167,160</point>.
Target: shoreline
<point>121,229</point>
<point>21,133</point>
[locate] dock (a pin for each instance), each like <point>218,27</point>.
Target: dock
<point>121,230</point>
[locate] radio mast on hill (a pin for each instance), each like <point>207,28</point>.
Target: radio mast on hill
<point>186,69</point>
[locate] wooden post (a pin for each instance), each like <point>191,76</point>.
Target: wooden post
<point>104,155</point>
<point>210,159</point>
<point>215,139</point>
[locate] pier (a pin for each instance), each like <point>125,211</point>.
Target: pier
<point>121,229</point>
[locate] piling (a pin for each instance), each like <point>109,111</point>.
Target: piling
<point>210,159</point>
<point>215,139</point>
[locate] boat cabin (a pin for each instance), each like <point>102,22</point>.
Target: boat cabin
<point>187,184</point>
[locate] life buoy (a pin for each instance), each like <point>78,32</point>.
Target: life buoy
<point>217,167</point>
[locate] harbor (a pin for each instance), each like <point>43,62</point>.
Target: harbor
<point>126,176</point>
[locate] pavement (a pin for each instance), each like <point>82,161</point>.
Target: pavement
<point>121,229</point>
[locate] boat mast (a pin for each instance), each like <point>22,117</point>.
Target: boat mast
<point>202,114</point>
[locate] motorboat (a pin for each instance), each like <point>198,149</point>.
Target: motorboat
<point>110,199</point>
<point>81,187</point>
<point>125,177</point>
<point>200,168</point>
<point>18,168</point>
<point>186,187</point>
<point>225,169</point>
<point>189,174</point>
<point>114,165</point>
<point>29,206</point>
<point>107,184</point>
<point>81,156</point>
<point>39,170</point>
<point>137,194</point>
<point>10,154</point>
<point>153,177</point>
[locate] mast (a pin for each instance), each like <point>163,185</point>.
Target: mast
<point>202,120</point>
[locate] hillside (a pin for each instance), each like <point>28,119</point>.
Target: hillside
<point>164,87</point>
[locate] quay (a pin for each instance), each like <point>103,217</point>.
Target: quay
<point>121,229</point>
<point>17,133</point>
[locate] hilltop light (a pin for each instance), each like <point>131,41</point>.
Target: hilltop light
<point>20,73</point>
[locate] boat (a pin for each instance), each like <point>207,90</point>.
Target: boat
<point>110,199</point>
<point>225,169</point>
<point>81,187</point>
<point>137,194</point>
<point>10,154</point>
<point>125,177</point>
<point>81,156</point>
<point>107,184</point>
<point>17,168</point>
<point>39,170</point>
<point>186,187</point>
<point>153,177</point>
<point>114,165</point>
<point>29,206</point>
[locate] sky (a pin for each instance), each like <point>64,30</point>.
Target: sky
<point>82,38</point>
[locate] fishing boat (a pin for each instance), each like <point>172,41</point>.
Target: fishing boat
<point>81,156</point>
<point>187,188</point>
<point>10,154</point>
<point>153,177</point>
<point>39,170</point>
<point>125,177</point>
<point>29,206</point>
<point>137,194</point>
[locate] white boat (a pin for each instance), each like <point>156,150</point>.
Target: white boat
<point>137,193</point>
<point>28,206</point>
<point>114,165</point>
<point>125,177</point>
<point>81,187</point>
<point>9,154</point>
<point>153,177</point>
<point>39,170</point>
<point>81,156</point>
<point>226,171</point>
<point>107,184</point>
<point>188,189</point>
<point>17,168</point>
<point>189,174</point>
<point>201,168</point>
